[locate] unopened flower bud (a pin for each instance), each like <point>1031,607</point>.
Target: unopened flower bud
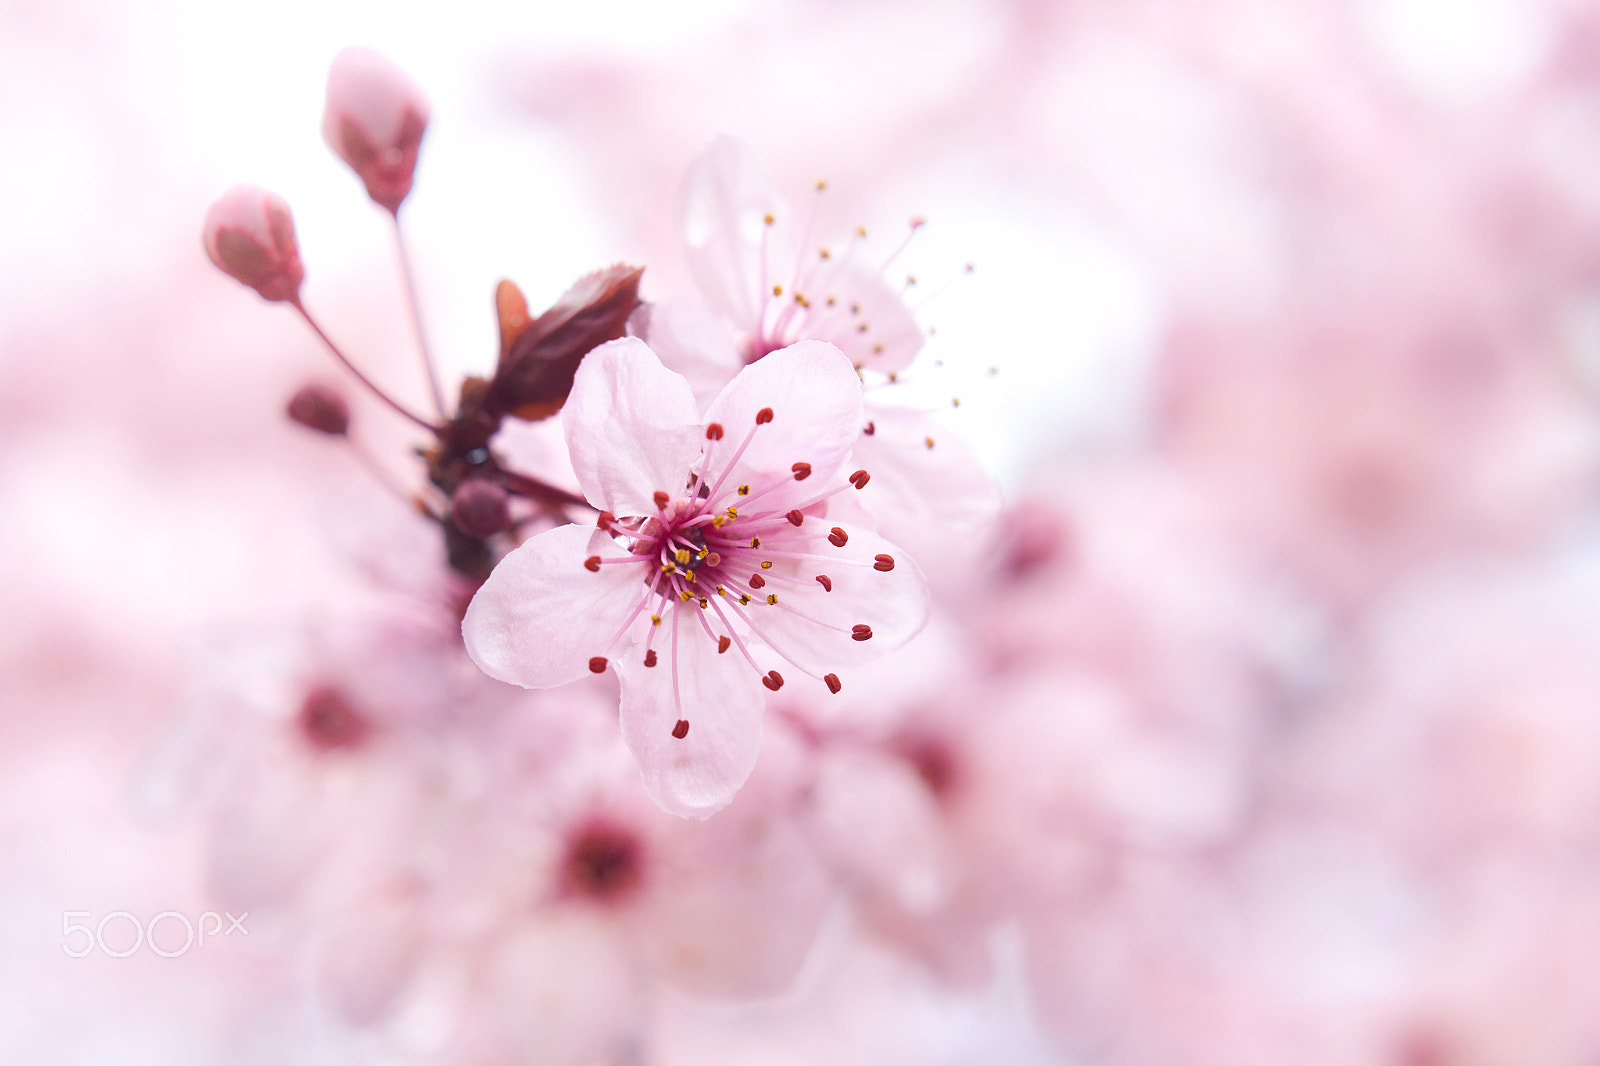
<point>249,235</point>
<point>320,408</point>
<point>374,120</point>
<point>480,508</point>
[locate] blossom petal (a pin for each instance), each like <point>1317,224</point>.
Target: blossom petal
<point>692,340</point>
<point>723,207</point>
<point>542,615</point>
<point>815,399</point>
<point>632,428</point>
<point>813,626</point>
<point>868,321</point>
<point>721,698</point>
<point>929,493</point>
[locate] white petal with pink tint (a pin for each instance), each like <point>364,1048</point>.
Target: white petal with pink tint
<point>632,428</point>
<point>815,399</point>
<point>691,340</point>
<point>723,207</point>
<point>721,698</point>
<point>813,627</point>
<point>542,615</point>
<point>867,319</point>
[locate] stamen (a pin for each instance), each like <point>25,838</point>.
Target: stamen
<point>883,563</point>
<point>870,428</point>
<point>826,582</point>
<point>772,599</point>
<point>723,643</point>
<point>833,683</point>
<point>766,564</point>
<point>773,680</point>
<point>795,518</point>
<point>801,471</point>
<point>861,632</point>
<point>592,564</point>
<point>860,478</point>
<point>714,431</point>
<point>650,657</point>
<point>680,730</point>
<point>764,416</point>
<point>757,581</point>
<point>838,537</point>
<point>597,665</point>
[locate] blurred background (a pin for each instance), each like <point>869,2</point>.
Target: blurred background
<point>1272,692</point>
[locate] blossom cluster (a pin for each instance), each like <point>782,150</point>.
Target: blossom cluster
<point>1259,737</point>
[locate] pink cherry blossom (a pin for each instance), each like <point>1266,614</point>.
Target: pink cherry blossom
<point>713,556</point>
<point>249,236</point>
<point>375,120</point>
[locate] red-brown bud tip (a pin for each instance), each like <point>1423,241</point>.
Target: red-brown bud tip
<point>374,120</point>
<point>249,235</point>
<point>480,508</point>
<point>320,408</point>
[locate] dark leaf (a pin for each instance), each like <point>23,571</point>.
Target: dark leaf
<point>539,358</point>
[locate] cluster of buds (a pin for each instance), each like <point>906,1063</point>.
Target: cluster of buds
<point>374,121</point>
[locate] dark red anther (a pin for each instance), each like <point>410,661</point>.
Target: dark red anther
<point>757,581</point>
<point>606,520</point>
<point>826,582</point>
<point>884,563</point>
<point>872,427</point>
<point>860,478</point>
<point>832,681</point>
<point>838,537</point>
<point>662,499</point>
<point>773,680</point>
<point>592,564</point>
<point>801,471</point>
<point>723,643</point>
<point>597,665</point>
<point>329,721</point>
<point>764,415</point>
<point>320,408</point>
<point>680,730</point>
<point>861,632</point>
<point>795,518</point>
<point>713,432</point>
<point>650,657</point>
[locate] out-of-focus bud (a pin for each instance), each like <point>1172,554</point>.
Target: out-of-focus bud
<point>249,235</point>
<point>320,408</point>
<point>375,120</point>
<point>480,508</point>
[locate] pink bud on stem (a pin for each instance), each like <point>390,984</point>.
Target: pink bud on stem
<point>249,235</point>
<point>374,120</point>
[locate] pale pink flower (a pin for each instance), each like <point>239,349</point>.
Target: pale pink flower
<point>375,120</point>
<point>713,532</point>
<point>931,494</point>
<point>249,236</point>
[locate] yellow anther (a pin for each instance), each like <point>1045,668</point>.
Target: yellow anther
<point>824,253</point>
<point>689,576</point>
<point>861,231</point>
<point>667,568</point>
<point>744,597</point>
<point>769,220</point>
<point>682,555</point>
<point>721,591</point>
<point>684,596</point>
<point>821,185</point>
<point>772,599</point>
<point>928,441</point>
<point>955,401</point>
<point>777,290</point>
<point>704,603</point>
<point>893,377</point>
<point>767,565</point>
<point>744,490</point>
<point>755,542</point>
<point>655,619</point>
<point>718,521</point>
